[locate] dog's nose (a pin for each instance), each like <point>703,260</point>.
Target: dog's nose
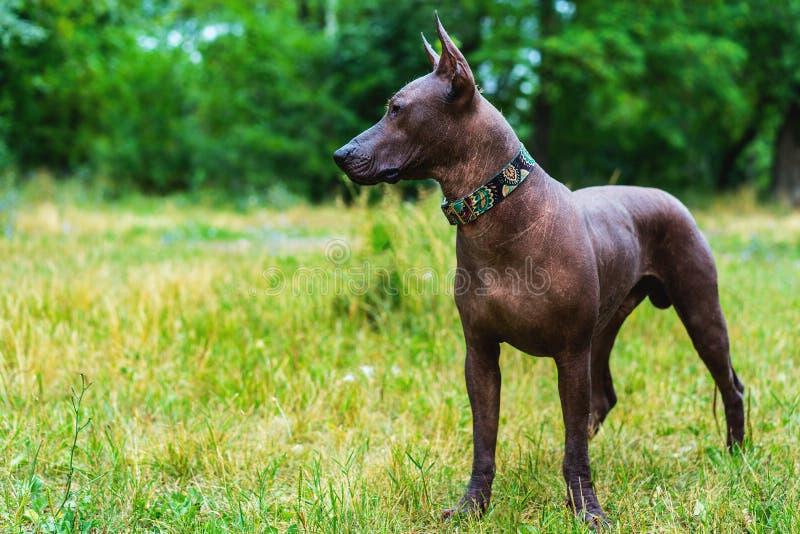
<point>340,156</point>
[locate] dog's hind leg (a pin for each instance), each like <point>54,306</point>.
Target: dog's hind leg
<point>603,395</point>
<point>691,285</point>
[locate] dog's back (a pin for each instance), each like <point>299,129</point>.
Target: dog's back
<point>644,227</point>
<point>644,218</point>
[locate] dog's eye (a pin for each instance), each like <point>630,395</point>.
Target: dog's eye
<point>394,110</point>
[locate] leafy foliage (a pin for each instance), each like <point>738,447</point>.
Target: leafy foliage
<point>180,95</point>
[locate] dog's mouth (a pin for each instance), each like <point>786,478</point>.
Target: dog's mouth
<point>389,176</point>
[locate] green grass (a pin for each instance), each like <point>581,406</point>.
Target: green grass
<point>221,400</point>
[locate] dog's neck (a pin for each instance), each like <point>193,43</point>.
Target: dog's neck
<point>480,153</point>
<point>483,151</point>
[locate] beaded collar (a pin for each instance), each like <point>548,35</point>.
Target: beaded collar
<point>468,208</point>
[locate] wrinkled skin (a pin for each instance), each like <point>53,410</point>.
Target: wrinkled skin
<point>597,252</point>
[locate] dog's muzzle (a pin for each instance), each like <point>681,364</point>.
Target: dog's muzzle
<point>359,167</point>
<point>341,155</point>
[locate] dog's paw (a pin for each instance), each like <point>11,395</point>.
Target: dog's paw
<point>596,520</point>
<point>471,504</point>
<point>590,513</point>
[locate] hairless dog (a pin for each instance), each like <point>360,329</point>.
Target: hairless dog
<point>601,249</point>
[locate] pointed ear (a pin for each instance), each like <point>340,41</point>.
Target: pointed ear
<point>433,57</point>
<point>453,67</point>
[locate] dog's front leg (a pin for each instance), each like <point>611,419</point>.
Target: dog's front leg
<point>574,390</point>
<point>482,372</point>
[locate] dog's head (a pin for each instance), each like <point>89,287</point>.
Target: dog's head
<point>422,123</point>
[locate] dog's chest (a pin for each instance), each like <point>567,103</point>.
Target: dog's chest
<point>519,310</point>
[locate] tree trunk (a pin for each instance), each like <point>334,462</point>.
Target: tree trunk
<point>303,11</point>
<point>542,109</point>
<point>786,169</point>
<point>541,130</point>
<point>331,22</point>
<point>732,154</point>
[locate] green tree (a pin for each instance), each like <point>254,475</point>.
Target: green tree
<point>51,79</point>
<point>176,95</point>
<point>628,90</point>
<point>18,32</point>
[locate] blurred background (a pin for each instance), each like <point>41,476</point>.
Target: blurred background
<point>252,98</point>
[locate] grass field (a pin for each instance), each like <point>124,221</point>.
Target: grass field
<point>246,375</point>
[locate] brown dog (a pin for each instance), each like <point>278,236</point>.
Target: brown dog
<point>601,249</point>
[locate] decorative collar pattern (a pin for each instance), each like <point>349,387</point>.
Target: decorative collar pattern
<point>468,208</point>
